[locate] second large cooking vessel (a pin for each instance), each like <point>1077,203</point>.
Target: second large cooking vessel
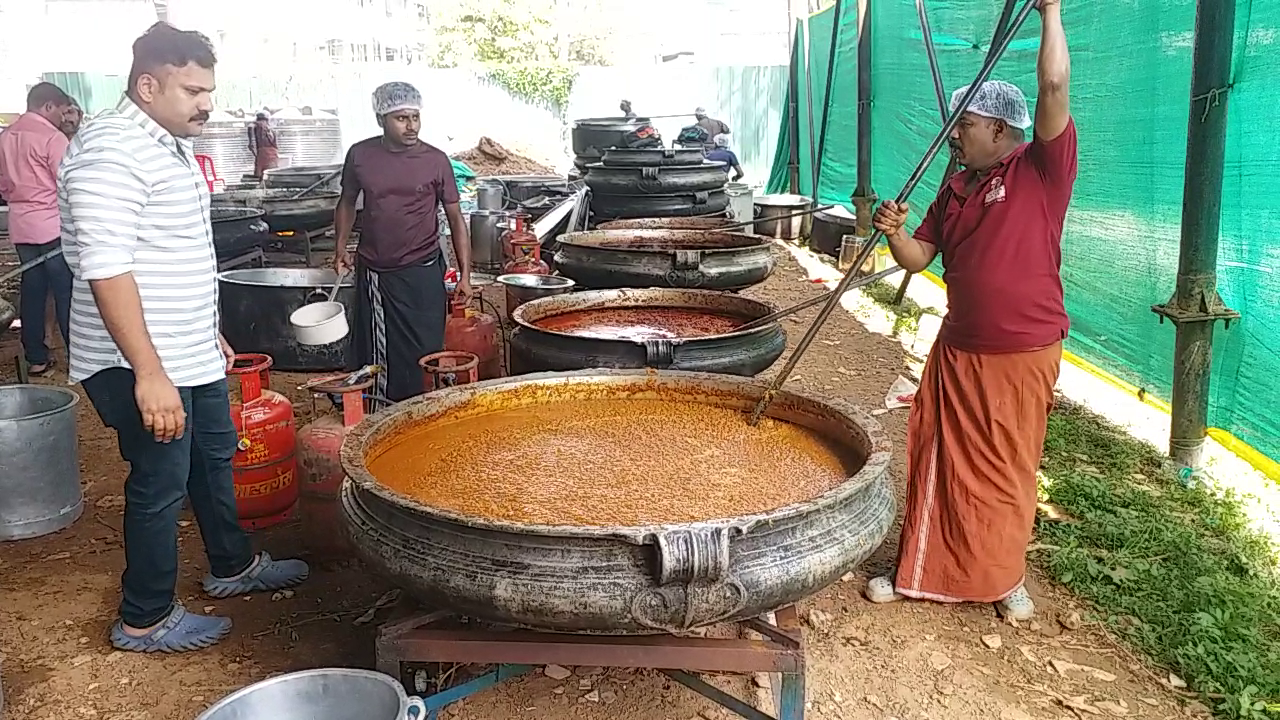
<point>300,177</point>
<point>536,346</point>
<point>676,223</point>
<point>655,180</point>
<point>771,213</point>
<point>618,579</point>
<point>255,305</point>
<point>603,259</point>
<point>282,210</point>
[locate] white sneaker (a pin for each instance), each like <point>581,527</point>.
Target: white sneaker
<point>880,590</point>
<point>1017,606</point>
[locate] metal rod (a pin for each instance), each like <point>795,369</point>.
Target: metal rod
<point>749,223</point>
<point>815,300</point>
<point>318,183</point>
<point>30,264</point>
<point>826,94</point>
<point>793,114</point>
<point>875,238</point>
<point>808,96</point>
<point>1196,293</point>
<point>1002,25</point>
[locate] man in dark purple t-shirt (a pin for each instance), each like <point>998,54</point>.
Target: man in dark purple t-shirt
<point>402,302</point>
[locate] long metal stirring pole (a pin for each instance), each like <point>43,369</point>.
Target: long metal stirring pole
<point>912,182</point>
<point>941,89</point>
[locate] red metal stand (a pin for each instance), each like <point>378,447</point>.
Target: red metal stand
<point>422,640</point>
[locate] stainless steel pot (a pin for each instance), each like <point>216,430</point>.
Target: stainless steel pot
<point>768,210</point>
<point>490,194</point>
<point>653,579</point>
<point>39,462</point>
<point>324,694</point>
<point>523,287</point>
<point>487,227</point>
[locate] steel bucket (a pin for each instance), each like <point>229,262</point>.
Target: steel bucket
<point>323,694</point>
<point>741,201</point>
<point>490,194</point>
<point>487,227</point>
<point>39,461</point>
<point>771,220</point>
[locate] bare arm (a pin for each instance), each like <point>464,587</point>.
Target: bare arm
<point>912,254</point>
<point>461,236</point>
<point>1053,74</point>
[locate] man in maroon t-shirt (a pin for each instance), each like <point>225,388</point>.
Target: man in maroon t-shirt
<point>978,421</point>
<point>402,302</point>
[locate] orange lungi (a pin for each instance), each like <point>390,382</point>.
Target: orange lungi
<point>974,442</point>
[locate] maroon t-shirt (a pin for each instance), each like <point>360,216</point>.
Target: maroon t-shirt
<point>403,192</point>
<point>1002,249</point>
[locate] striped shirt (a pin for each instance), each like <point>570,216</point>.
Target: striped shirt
<point>132,200</point>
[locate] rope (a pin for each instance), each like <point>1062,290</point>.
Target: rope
<point>1212,99</point>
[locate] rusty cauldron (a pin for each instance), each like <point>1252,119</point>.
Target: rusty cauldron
<point>702,259</point>
<point>619,580</point>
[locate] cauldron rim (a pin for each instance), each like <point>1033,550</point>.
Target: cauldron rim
<point>583,239</point>
<point>634,297</point>
<point>873,469</point>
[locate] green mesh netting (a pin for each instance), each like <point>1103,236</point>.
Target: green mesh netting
<point>1130,94</point>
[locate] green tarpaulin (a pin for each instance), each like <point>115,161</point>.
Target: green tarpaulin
<point>1130,94</point>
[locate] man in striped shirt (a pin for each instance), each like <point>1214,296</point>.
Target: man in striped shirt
<point>145,341</point>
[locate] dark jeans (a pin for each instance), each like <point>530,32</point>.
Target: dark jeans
<point>161,476</point>
<point>50,276</point>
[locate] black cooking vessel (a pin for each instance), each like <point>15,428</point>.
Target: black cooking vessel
<point>686,204</point>
<point>282,210</point>
<point>536,349</point>
<point>652,157</point>
<point>236,230</point>
<point>709,260</point>
<point>592,136</point>
<point>255,306</point>
<point>304,176</point>
<point>656,180</point>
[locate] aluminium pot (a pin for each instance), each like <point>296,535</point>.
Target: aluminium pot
<point>255,306</point>
<point>321,694</point>
<point>829,228</point>
<point>710,260</point>
<point>656,180</point>
<point>537,349</point>
<point>39,463</point>
<point>642,580</point>
<point>768,210</point>
<point>652,157</point>
<point>688,204</point>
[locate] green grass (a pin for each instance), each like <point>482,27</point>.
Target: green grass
<point>907,315</point>
<point>1177,572</point>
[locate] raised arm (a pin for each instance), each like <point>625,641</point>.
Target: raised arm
<point>1053,74</point>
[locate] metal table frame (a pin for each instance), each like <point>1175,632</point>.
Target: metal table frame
<point>512,653</point>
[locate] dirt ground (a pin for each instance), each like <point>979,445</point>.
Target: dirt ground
<point>906,661</point>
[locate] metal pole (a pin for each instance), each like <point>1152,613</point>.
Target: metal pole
<point>940,88</point>
<point>793,113</point>
<point>1195,304</point>
<point>808,96</point>
<point>912,182</point>
<point>831,76</point>
<point>864,196</point>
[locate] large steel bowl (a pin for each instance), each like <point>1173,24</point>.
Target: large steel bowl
<point>706,259</point>
<point>651,579</point>
<point>538,349</point>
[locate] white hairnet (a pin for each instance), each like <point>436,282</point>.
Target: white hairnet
<point>393,96</point>
<point>999,100</point>
<point>721,140</point>
<point>700,111</point>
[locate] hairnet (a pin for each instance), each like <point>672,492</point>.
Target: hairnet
<point>999,100</point>
<point>700,111</point>
<point>393,96</point>
<point>721,140</point>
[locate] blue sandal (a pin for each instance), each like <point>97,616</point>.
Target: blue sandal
<point>265,575</point>
<point>180,632</point>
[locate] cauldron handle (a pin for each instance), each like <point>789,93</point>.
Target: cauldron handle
<point>693,555</point>
<point>659,353</point>
<point>417,709</point>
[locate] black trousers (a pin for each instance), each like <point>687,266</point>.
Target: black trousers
<point>51,276</point>
<point>400,318</point>
<point>161,475</point>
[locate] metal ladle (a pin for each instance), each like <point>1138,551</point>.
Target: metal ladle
<point>834,298</point>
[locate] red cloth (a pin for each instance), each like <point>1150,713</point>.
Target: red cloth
<point>1002,249</point>
<point>974,441</point>
<point>403,192</point>
<point>266,159</point>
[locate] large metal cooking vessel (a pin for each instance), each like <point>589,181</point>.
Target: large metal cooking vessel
<point>829,228</point>
<point>675,223</point>
<point>323,694</point>
<point>487,227</point>
<point>255,305</point>
<point>39,461</point>
<point>770,208</point>
<point>666,578</point>
<point>282,212</point>
<point>236,230</point>
<point>603,259</point>
<point>655,180</point>
<point>300,177</point>
<point>592,136</point>
<point>536,349</point>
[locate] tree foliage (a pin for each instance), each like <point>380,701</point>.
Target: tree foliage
<point>531,48</point>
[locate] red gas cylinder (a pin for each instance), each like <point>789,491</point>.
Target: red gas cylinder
<point>474,331</point>
<point>519,232</point>
<point>320,469</point>
<point>527,260</point>
<point>264,466</point>
<point>448,368</point>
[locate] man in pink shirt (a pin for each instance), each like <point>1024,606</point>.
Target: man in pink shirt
<point>31,150</point>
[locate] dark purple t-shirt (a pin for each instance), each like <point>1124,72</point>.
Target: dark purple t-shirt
<point>403,192</point>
